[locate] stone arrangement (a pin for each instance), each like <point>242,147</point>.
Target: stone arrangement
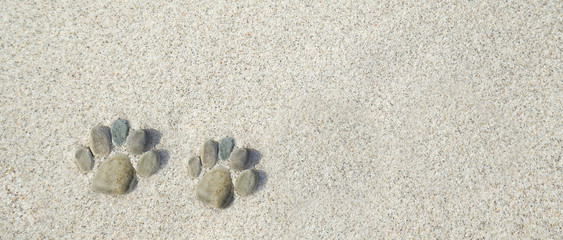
<point>116,175</point>
<point>216,187</point>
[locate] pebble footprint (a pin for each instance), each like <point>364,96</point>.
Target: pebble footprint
<point>216,188</point>
<point>116,175</point>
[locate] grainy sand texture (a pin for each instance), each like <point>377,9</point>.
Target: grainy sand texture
<point>365,120</point>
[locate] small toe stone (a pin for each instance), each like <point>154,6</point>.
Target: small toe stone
<point>84,159</point>
<point>239,159</point>
<point>225,147</point>
<point>209,153</point>
<point>137,142</point>
<point>119,130</point>
<point>246,182</point>
<point>148,164</point>
<point>194,166</point>
<point>99,141</point>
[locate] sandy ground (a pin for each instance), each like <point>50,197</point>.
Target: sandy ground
<point>377,120</point>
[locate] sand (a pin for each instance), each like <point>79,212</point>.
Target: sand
<point>370,120</point>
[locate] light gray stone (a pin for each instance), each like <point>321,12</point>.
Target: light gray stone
<point>194,166</point>
<point>215,188</point>
<point>209,153</point>
<point>99,141</point>
<point>148,164</point>
<point>84,159</point>
<point>239,159</point>
<point>119,130</point>
<point>137,142</point>
<point>225,147</point>
<point>246,182</point>
<point>114,176</point>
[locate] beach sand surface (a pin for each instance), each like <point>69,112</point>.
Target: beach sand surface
<point>381,120</point>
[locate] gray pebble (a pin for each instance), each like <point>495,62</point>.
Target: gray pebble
<point>84,159</point>
<point>194,166</point>
<point>225,147</point>
<point>148,164</point>
<point>238,159</point>
<point>114,176</point>
<point>215,188</point>
<point>119,130</point>
<point>137,142</point>
<point>246,182</point>
<point>99,141</point>
<point>209,153</point>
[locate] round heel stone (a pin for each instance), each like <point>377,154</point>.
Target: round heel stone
<point>114,176</point>
<point>215,188</point>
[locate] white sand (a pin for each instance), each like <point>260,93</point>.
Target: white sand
<point>382,120</point>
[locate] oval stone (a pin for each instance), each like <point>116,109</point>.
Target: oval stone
<point>114,176</point>
<point>99,141</point>
<point>225,147</point>
<point>137,142</point>
<point>148,164</point>
<point>209,153</point>
<point>215,188</point>
<point>84,159</point>
<point>246,182</point>
<point>194,166</point>
<point>238,159</point>
<point>119,130</point>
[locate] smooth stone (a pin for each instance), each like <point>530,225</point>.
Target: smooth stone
<point>114,176</point>
<point>100,143</point>
<point>225,147</point>
<point>238,159</point>
<point>84,159</point>
<point>246,182</point>
<point>119,130</point>
<point>137,142</point>
<point>194,166</point>
<point>209,153</point>
<point>215,188</point>
<point>148,164</point>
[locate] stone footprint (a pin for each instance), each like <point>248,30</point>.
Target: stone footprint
<point>116,175</point>
<point>216,187</point>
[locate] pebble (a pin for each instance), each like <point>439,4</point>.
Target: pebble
<point>114,176</point>
<point>215,188</point>
<point>119,130</point>
<point>209,153</point>
<point>84,159</point>
<point>99,141</point>
<point>246,182</point>
<point>137,142</point>
<point>225,147</point>
<point>238,159</point>
<point>148,164</point>
<point>194,166</point>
